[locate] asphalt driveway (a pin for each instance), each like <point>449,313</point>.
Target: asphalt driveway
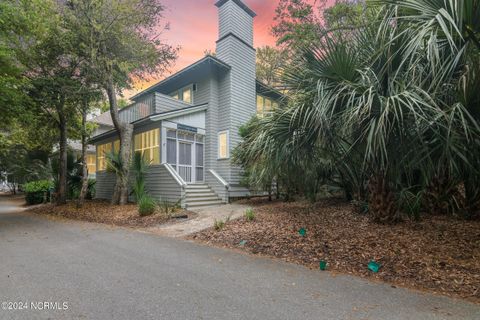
<point>91,271</point>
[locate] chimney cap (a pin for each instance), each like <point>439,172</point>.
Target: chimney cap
<point>240,4</point>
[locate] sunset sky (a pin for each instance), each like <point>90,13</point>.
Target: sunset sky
<point>193,27</point>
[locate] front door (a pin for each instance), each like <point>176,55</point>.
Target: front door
<point>185,153</point>
<point>185,160</point>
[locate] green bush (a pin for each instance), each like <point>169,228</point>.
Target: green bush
<point>146,206</point>
<point>250,215</point>
<point>37,191</point>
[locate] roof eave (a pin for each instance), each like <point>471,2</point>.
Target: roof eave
<point>153,118</point>
<point>183,71</point>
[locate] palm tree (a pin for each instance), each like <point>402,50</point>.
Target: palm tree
<point>389,111</point>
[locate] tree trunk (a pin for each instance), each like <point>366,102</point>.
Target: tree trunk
<point>83,192</point>
<point>442,195</point>
<point>472,196</point>
<point>125,133</point>
<point>381,204</point>
<point>62,174</point>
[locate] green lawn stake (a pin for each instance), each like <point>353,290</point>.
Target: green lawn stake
<point>302,232</point>
<point>323,265</point>
<point>373,266</point>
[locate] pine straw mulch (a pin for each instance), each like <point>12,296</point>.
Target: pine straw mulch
<point>103,212</point>
<point>438,254</point>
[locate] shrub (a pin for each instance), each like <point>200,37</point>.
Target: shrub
<point>140,167</point>
<point>37,191</point>
<point>168,208</point>
<point>146,206</point>
<point>218,224</point>
<point>250,215</point>
<point>91,189</point>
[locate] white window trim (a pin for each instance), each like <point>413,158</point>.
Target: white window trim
<point>227,132</point>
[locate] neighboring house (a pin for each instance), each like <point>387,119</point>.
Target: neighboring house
<point>187,125</point>
<point>75,147</point>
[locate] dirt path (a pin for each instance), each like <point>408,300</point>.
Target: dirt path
<point>205,219</point>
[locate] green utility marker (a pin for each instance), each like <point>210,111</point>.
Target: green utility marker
<point>373,266</point>
<point>243,243</point>
<point>323,265</point>
<point>302,232</point>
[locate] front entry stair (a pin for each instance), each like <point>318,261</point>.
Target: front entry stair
<point>200,195</point>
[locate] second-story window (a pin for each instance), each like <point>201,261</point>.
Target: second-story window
<point>265,105</point>
<point>184,94</point>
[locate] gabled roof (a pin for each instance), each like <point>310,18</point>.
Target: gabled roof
<point>103,119</point>
<point>201,65</point>
<point>265,89</point>
<point>240,4</point>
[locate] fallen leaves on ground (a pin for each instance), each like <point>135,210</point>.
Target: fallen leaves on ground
<point>103,212</point>
<point>438,254</point>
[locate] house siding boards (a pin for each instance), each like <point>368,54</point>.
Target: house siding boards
<point>105,185</point>
<point>233,19</point>
<point>164,103</point>
<point>159,183</point>
<point>225,93</point>
<point>140,109</point>
<point>162,186</point>
<point>202,94</point>
<point>239,87</point>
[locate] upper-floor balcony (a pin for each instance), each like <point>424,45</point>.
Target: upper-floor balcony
<point>152,104</point>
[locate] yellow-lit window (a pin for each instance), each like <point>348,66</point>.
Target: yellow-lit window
<point>102,151</point>
<point>223,145</point>
<point>268,106</point>
<point>116,146</point>
<point>184,94</point>
<point>187,95</point>
<point>91,164</point>
<point>265,105</point>
<point>148,144</point>
<point>260,105</point>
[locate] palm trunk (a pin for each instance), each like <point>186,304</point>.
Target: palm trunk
<point>62,179</point>
<point>83,192</point>
<point>381,204</point>
<point>125,133</point>
<point>442,195</point>
<point>472,195</point>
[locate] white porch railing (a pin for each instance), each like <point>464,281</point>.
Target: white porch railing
<point>185,173</point>
<point>219,179</point>
<point>175,175</point>
<point>219,185</point>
